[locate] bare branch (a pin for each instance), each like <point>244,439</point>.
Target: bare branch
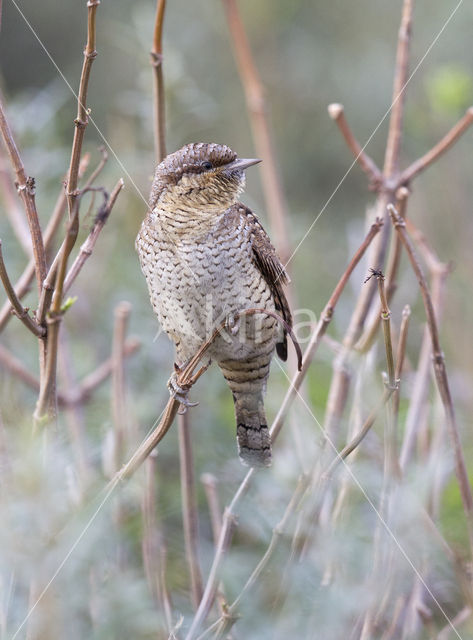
<point>366,340</point>
<point>13,210</point>
<point>431,156</point>
<point>317,335</point>
<point>440,374</point>
<point>393,145</point>
<point>26,189</point>
<point>189,507</point>
<point>118,400</point>
<point>20,311</point>
<point>276,206</point>
<point>45,405</point>
<point>88,246</point>
<point>337,113</point>
<point>158,84</point>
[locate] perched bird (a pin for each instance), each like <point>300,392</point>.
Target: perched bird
<point>206,257</point>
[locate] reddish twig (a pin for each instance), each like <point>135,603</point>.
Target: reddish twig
<point>440,374</point>
<point>45,405</point>
<point>393,145</point>
<point>189,507</point>
<point>337,113</point>
<point>118,399</point>
<point>158,83</point>
<point>317,335</point>
<point>366,340</point>
<point>431,156</point>
<point>254,93</point>
<point>26,189</point>
<point>20,311</point>
<point>88,246</point>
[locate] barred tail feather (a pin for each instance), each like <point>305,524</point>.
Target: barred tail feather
<point>254,441</point>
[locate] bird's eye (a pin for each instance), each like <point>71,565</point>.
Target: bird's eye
<point>207,165</point>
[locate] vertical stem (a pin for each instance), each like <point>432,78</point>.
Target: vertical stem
<point>440,376</point>
<point>255,101</point>
<point>120,422</point>
<point>45,406</point>
<point>189,507</point>
<point>158,84</point>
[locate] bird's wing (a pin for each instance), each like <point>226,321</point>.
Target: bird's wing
<point>266,260</point>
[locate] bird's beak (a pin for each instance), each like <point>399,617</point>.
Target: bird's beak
<point>241,163</point>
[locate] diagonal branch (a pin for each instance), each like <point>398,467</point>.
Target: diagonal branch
<point>440,373</point>
<point>20,311</point>
<point>337,113</point>
<point>431,156</point>
<point>26,189</point>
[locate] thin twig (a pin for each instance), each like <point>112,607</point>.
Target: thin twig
<point>13,210</point>
<point>88,246</point>
<point>45,405</point>
<point>431,156</point>
<point>118,399</point>
<point>393,145</point>
<point>400,355</point>
<point>186,378</point>
<point>317,335</point>
<point>367,338</point>
<point>93,380</point>
<point>440,374</point>
<point>254,93</point>
<point>340,384</point>
<point>153,549</point>
<point>20,311</point>
<point>351,446</point>
<point>189,507</point>
<point>158,83</point>
<point>26,189</point>
<point>337,113</point>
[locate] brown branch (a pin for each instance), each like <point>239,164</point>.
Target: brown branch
<point>20,311</point>
<point>366,340</point>
<point>400,355</point>
<point>440,374</point>
<point>420,386</point>
<point>153,548</point>
<point>158,83</point>
<point>18,369</point>
<point>26,189</point>
<point>393,145</point>
<point>185,379</point>
<point>317,335</point>
<point>431,156</point>
<point>337,113</point>
<point>353,444</point>
<point>88,246</point>
<point>46,405</point>
<point>276,206</point>
<point>93,380</point>
<point>189,507</point>
<point>118,399</point>
<point>14,213</point>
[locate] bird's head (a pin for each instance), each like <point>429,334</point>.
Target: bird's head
<point>200,176</point>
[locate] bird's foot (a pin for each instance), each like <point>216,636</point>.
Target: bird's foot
<point>180,392</point>
<point>232,323</point>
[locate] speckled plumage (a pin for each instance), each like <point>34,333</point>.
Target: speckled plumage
<point>205,256</point>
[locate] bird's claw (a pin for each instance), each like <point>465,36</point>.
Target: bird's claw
<point>180,392</point>
<point>232,323</point>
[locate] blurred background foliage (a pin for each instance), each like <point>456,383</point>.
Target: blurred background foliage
<point>309,54</point>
